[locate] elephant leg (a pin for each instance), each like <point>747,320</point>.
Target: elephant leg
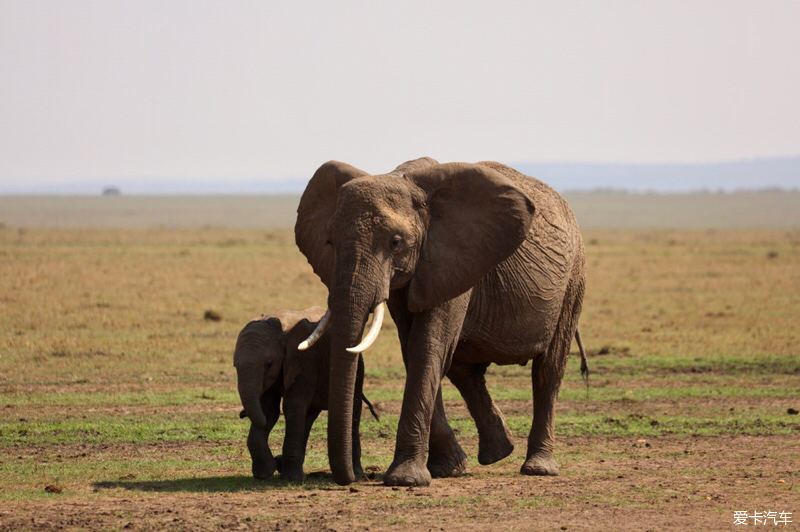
<point>298,427</point>
<point>311,417</point>
<point>263,463</point>
<point>446,458</point>
<point>494,436</point>
<point>539,458</point>
<point>547,372</point>
<point>427,352</point>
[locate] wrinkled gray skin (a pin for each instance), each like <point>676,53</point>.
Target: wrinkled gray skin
<point>479,264</point>
<point>269,366</point>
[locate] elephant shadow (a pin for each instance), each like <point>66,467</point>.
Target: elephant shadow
<point>218,484</point>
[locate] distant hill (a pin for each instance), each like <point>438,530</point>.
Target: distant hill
<point>757,174</point>
<point>765,209</point>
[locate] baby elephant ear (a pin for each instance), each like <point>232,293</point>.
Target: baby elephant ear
<point>299,362</point>
<point>316,208</point>
<point>478,218</point>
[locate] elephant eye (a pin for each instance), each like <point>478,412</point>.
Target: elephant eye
<point>395,241</point>
<point>328,243</point>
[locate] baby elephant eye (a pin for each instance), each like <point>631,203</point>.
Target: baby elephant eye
<point>395,241</point>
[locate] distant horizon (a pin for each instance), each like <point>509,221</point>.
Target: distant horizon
<point>569,191</point>
<point>594,210</point>
<point>754,174</point>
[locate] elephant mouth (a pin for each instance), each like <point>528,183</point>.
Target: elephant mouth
<point>374,330</point>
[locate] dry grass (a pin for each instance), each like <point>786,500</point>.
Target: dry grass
<point>116,391</point>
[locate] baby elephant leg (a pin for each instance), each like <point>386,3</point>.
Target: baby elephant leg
<point>263,463</point>
<point>358,470</point>
<point>298,427</point>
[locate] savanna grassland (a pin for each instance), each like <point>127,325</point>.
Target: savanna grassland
<point>118,403</point>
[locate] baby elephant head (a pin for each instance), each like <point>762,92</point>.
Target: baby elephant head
<point>258,359</point>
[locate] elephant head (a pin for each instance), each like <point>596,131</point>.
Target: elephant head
<point>420,235</point>
<point>258,358</point>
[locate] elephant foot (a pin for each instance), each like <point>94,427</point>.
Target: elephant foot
<point>263,469</point>
<point>449,462</point>
<point>495,446</point>
<point>288,470</point>
<point>358,471</point>
<point>293,476</point>
<point>540,463</point>
<point>408,473</point>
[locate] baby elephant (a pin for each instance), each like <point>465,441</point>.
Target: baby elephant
<point>269,366</point>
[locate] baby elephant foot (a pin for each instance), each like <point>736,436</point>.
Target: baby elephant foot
<point>264,468</point>
<point>447,463</point>
<point>294,475</point>
<point>289,470</point>
<point>407,473</point>
<point>495,446</point>
<point>540,463</point>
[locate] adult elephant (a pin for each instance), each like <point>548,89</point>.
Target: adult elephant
<point>479,264</point>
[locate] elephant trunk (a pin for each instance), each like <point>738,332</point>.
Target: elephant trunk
<point>343,372</point>
<point>350,306</point>
<point>250,385</point>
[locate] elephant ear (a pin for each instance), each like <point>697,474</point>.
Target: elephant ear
<point>300,362</point>
<point>415,164</point>
<point>316,207</point>
<point>478,218</point>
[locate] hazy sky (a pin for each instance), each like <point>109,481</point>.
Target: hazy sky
<point>203,90</point>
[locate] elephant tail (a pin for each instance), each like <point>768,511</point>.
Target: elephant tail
<point>369,405</point>
<point>584,363</point>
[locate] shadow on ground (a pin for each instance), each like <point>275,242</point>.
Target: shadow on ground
<point>229,484</point>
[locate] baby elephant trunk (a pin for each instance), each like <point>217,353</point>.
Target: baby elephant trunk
<point>250,388</point>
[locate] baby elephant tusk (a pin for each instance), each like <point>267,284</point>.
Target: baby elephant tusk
<point>322,326</point>
<point>374,331</point>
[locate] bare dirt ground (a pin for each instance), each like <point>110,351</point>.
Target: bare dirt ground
<point>606,484</point>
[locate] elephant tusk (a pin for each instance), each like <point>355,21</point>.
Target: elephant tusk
<point>374,331</point>
<point>322,326</point>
